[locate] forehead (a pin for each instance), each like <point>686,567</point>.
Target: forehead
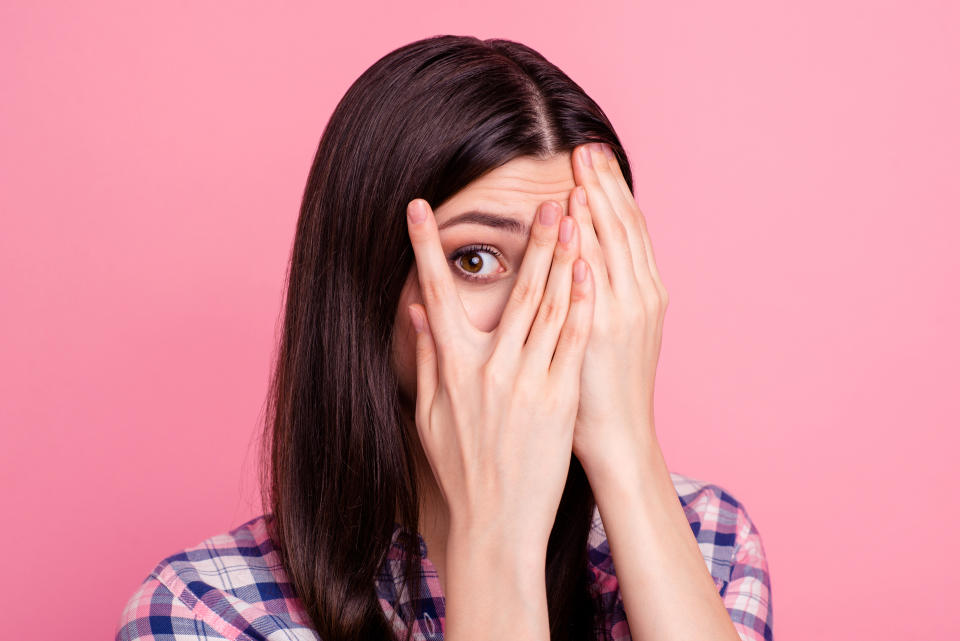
<point>515,188</point>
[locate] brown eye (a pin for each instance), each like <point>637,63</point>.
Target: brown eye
<point>471,262</point>
<point>477,262</point>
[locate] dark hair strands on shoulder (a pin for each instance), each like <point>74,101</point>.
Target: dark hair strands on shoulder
<point>337,466</point>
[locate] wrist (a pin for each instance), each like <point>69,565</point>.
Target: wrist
<point>506,550</point>
<point>629,454</point>
<point>491,577</point>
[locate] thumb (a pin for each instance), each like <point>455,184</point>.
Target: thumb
<point>426,363</point>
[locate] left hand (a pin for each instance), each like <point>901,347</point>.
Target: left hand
<point>615,415</point>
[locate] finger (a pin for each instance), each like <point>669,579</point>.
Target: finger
<point>589,245</point>
<point>617,171</point>
<point>611,232</point>
<point>444,309</point>
<point>651,258</point>
<point>572,344</point>
<point>638,220</point>
<point>624,205</point>
<point>426,364</point>
<point>610,174</point>
<point>531,278</point>
<point>542,341</point>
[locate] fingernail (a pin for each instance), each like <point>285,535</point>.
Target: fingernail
<point>579,270</point>
<point>415,319</point>
<point>548,213</point>
<point>566,229</point>
<point>581,195</point>
<point>598,149</point>
<point>608,150</point>
<point>585,156</point>
<point>417,212</point>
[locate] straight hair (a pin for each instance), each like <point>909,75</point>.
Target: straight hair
<point>337,467</point>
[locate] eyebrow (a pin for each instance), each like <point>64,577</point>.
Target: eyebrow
<point>496,221</point>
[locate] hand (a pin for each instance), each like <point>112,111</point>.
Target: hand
<point>617,378</point>
<point>495,410</point>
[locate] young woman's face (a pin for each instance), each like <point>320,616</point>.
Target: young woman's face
<point>483,275</point>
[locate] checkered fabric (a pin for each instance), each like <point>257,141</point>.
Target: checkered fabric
<point>232,586</point>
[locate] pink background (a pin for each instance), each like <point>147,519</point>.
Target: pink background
<point>798,169</point>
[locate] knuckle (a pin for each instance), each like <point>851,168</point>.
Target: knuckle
<point>550,312</point>
<point>522,292</point>
<point>542,238</point>
<point>573,334</point>
<point>619,231</point>
<point>565,252</point>
<point>578,293</point>
<point>651,305</point>
<point>434,290</point>
<point>424,353</point>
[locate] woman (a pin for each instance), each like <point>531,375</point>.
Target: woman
<point>462,405</point>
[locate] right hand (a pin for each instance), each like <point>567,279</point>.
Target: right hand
<point>495,411</point>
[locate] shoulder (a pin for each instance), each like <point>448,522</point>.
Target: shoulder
<point>228,586</point>
<point>732,548</point>
<point>732,551</point>
<point>718,520</point>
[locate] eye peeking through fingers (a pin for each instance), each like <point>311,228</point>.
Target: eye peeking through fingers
<point>469,264</point>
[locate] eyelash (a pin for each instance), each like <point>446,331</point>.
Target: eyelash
<point>469,249</point>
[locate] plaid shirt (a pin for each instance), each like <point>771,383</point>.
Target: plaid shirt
<point>232,586</point>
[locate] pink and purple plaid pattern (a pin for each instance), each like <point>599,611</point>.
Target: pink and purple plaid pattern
<point>232,586</point>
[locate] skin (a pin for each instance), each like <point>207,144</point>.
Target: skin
<point>667,591</point>
<point>515,189</point>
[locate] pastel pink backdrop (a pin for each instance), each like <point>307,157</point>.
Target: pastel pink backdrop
<point>798,169</point>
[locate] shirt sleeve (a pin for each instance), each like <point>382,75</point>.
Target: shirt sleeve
<point>154,613</point>
<point>747,596</point>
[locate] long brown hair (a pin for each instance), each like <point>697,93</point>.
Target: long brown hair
<point>337,466</point>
